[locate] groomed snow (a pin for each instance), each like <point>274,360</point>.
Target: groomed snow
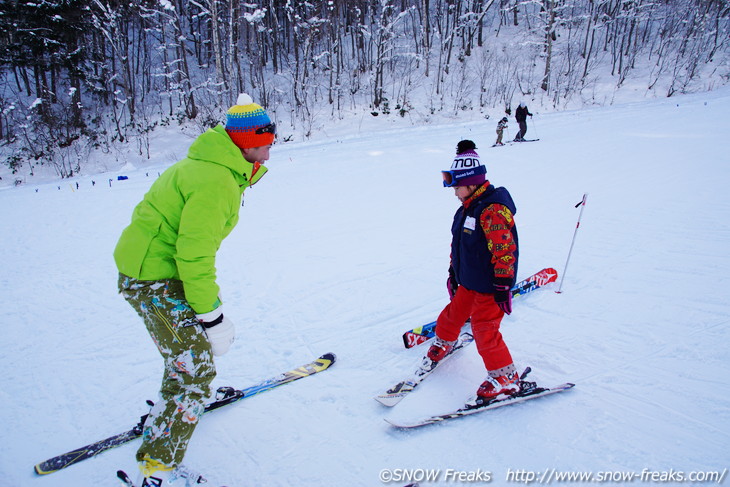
<point>342,247</point>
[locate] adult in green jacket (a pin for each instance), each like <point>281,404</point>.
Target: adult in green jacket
<point>166,262</point>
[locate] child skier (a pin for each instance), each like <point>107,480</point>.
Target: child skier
<point>484,256</point>
<point>501,125</point>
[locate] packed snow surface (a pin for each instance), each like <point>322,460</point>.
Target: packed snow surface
<point>342,247</point>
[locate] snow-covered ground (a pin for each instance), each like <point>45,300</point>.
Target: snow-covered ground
<point>342,247</point>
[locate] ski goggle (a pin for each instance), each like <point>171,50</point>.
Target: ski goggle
<point>454,176</point>
<point>266,129</point>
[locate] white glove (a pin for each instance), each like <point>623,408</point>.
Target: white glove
<point>220,330</point>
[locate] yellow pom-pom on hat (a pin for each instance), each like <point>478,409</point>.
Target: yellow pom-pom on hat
<point>248,125</point>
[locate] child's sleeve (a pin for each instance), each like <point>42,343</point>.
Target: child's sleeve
<point>497,222</point>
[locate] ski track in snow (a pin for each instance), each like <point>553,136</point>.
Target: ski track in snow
<point>341,248</point>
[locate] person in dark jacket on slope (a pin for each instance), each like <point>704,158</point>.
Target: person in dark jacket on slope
<point>484,257</point>
<point>521,116</point>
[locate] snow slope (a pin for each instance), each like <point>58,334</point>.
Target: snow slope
<point>341,248</point>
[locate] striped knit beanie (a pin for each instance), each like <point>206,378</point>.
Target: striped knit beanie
<point>466,169</point>
<point>248,125</point>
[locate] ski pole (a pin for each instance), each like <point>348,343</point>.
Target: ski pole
<point>582,205</point>
<point>534,127</point>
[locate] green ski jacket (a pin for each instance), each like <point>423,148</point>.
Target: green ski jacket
<point>179,225</point>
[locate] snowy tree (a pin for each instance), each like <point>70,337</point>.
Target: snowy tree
<point>78,74</point>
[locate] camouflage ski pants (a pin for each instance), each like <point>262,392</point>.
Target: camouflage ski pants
<point>189,366</point>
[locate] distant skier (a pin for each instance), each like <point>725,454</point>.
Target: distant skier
<point>166,260</point>
<point>501,125</point>
<point>484,255</point>
<point>521,116</point>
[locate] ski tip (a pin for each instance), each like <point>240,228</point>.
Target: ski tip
<point>39,470</point>
<point>389,400</point>
<point>403,426</point>
<point>384,401</point>
<point>561,387</point>
<point>331,357</point>
<point>394,424</point>
<point>122,475</point>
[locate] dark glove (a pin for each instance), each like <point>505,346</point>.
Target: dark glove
<point>451,284</point>
<point>503,294</point>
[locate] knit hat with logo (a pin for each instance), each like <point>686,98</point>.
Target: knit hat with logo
<point>248,125</point>
<point>466,170</point>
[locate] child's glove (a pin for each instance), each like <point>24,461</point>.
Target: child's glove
<point>503,295</point>
<point>221,331</point>
<point>451,284</point>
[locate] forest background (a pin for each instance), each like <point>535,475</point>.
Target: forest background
<point>81,77</point>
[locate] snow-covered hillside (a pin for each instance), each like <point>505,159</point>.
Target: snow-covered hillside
<point>342,247</point>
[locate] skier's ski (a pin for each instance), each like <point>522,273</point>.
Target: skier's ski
<point>127,481</point>
<point>530,390</point>
<point>418,335</point>
<point>535,281</point>
<point>224,396</point>
<point>393,396</point>
<point>512,142</point>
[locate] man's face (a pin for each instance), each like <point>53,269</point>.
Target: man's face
<point>256,154</point>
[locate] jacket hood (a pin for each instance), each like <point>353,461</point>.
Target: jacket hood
<point>215,146</point>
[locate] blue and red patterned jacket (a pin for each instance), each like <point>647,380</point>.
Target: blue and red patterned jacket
<point>484,242</point>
